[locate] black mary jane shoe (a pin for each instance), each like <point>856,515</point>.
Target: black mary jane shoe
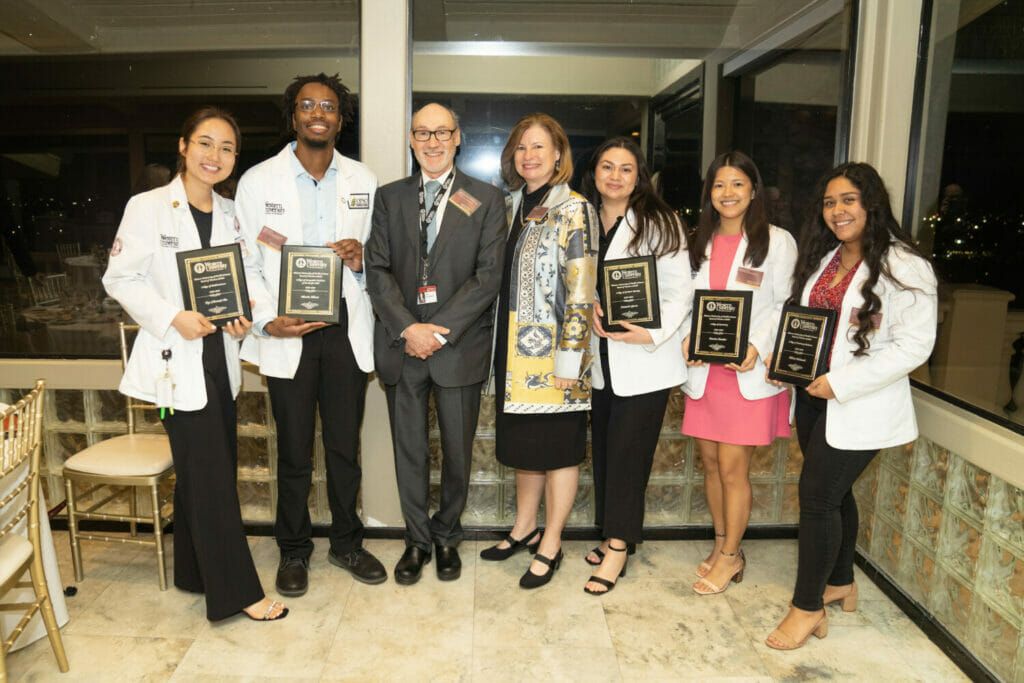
<point>531,580</point>
<point>496,554</point>
<point>630,548</point>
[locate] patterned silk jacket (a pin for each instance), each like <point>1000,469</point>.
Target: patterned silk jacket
<point>553,281</point>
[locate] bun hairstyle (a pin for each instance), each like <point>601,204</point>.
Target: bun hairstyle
<point>188,129</point>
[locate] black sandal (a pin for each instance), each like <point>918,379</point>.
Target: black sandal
<point>605,582</point>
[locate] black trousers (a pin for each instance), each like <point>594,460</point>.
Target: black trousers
<point>828,512</point>
<point>457,412</point>
<point>211,554</point>
<point>328,377</point>
<point>624,435</point>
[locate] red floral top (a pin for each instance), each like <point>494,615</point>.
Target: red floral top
<point>823,296</point>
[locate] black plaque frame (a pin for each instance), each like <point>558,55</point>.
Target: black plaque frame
<point>202,274</point>
<point>314,301</point>
<point>720,325</point>
<point>803,344</point>
<point>635,300</point>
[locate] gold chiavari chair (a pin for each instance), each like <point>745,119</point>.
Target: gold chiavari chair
<point>118,467</point>
<point>67,250</point>
<point>50,290</point>
<point>20,448</point>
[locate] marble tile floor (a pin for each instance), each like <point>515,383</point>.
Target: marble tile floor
<point>482,627</point>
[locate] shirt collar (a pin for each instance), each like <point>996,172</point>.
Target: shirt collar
<point>424,178</point>
<point>300,171</point>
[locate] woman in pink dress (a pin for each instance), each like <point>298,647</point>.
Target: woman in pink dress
<point>731,408</point>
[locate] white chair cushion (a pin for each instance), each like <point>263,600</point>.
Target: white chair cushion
<point>14,550</point>
<point>130,455</point>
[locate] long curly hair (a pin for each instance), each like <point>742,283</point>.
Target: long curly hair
<point>345,108</point>
<point>881,233</point>
<point>658,227</point>
<point>755,222</point>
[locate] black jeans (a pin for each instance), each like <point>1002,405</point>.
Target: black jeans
<point>828,512</point>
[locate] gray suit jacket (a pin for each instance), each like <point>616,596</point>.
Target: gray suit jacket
<point>465,265</point>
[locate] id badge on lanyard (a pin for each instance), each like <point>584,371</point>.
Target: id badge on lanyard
<point>426,293</point>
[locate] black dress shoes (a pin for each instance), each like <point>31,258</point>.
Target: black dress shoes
<point>293,576</point>
<point>410,567</point>
<point>449,566</point>
<point>362,565</point>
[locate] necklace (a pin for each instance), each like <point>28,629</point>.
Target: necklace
<point>846,269</point>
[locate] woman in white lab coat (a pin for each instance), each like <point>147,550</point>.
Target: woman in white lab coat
<point>856,260</point>
<point>637,366</point>
<point>731,409</point>
<point>188,366</point>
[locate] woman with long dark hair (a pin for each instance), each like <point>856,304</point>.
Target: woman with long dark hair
<point>856,260</point>
<point>211,555</point>
<point>731,408</point>
<point>638,366</point>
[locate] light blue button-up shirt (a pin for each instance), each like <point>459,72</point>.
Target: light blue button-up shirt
<point>317,201</point>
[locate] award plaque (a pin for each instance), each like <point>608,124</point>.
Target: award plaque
<point>213,283</point>
<point>630,293</point>
<point>310,284</point>
<point>803,344</point>
<point>720,325</point>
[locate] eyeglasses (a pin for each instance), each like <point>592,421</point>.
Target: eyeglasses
<point>209,147</point>
<point>442,134</point>
<point>326,106</point>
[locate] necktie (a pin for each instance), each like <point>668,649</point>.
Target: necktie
<point>429,193</point>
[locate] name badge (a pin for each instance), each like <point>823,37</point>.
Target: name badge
<point>538,213</point>
<point>169,241</point>
<point>272,238</point>
<point>273,209</point>
<point>359,200</point>
<point>749,276</point>
<point>426,295</point>
<point>876,319</point>
<point>466,202</point>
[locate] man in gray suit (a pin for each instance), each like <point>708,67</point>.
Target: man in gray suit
<point>433,268</point>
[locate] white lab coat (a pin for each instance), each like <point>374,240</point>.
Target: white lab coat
<point>873,407</point>
<point>267,197</point>
<point>765,310</point>
<point>143,276</point>
<point>643,368</point>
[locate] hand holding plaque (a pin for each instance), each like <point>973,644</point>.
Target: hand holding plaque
<point>720,325</point>
<point>310,284</point>
<point>803,344</point>
<point>213,283</point>
<point>630,293</point>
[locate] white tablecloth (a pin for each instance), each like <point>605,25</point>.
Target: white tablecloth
<point>9,620</point>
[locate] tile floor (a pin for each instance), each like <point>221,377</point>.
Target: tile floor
<point>481,627</point>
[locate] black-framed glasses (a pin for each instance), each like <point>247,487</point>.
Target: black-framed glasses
<point>326,106</point>
<point>442,134</point>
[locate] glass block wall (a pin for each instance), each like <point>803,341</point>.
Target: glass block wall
<point>77,418</point>
<point>951,535</point>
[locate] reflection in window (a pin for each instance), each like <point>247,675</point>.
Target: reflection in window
<point>85,130</point>
<point>786,118</point>
<point>966,197</point>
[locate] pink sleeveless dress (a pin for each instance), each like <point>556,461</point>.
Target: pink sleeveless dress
<point>722,414</point>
